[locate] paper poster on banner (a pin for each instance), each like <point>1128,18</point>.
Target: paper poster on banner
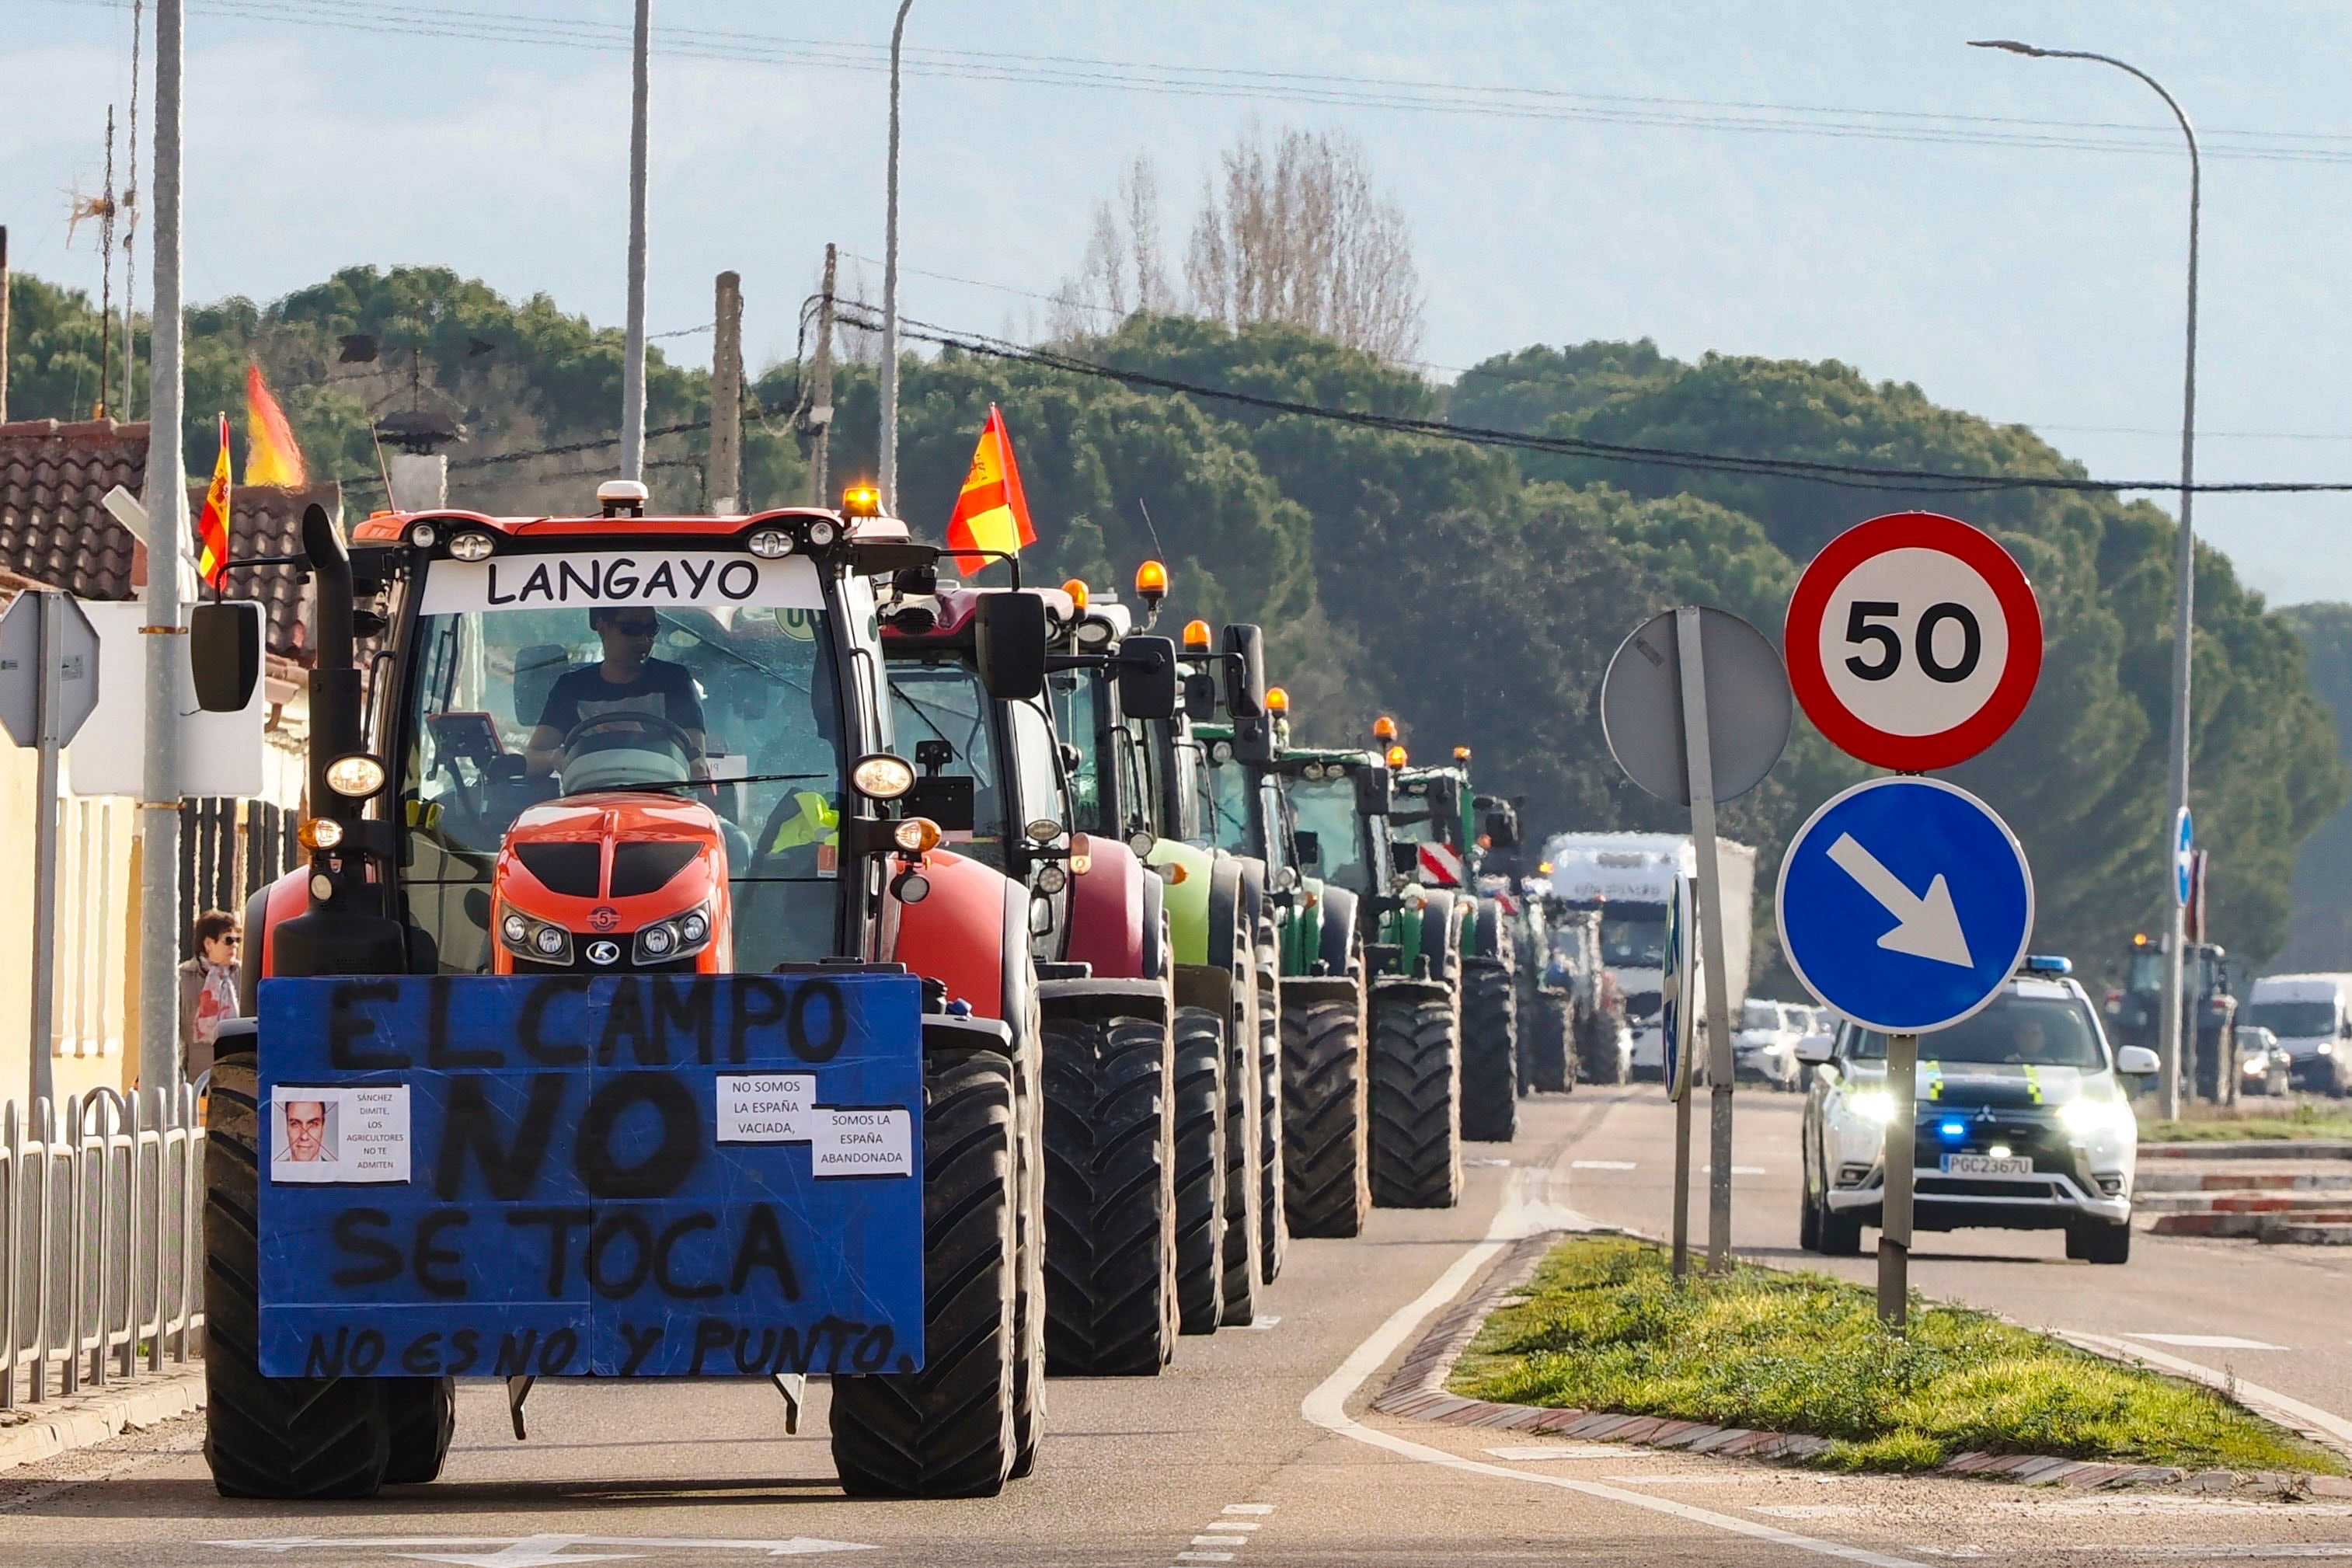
<point>766,1108</point>
<point>863,1142</point>
<point>341,1135</point>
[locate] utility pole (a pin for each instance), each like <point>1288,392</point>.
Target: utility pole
<point>4,321</point>
<point>817,414</point>
<point>726,459</point>
<point>165,638</point>
<point>633,361</point>
<point>889,475</point>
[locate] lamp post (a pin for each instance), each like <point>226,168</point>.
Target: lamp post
<point>2184,598</point>
<point>633,351</point>
<point>889,475</point>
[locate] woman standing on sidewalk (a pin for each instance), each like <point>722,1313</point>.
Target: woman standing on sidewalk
<point>208,991</point>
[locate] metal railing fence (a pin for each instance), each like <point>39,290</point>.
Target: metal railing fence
<point>101,1241</point>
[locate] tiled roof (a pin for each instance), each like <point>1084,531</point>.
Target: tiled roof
<point>54,528</point>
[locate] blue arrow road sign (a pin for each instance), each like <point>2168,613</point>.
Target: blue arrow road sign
<point>2184,855</point>
<point>1904,903</point>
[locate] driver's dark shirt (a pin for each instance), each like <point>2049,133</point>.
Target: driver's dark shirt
<point>661,687</point>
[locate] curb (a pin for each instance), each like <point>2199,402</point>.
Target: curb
<point>2251,1149</point>
<point>98,1416</point>
<point>1417,1390</point>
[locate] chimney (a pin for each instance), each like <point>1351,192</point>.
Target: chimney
<point>416,472</point>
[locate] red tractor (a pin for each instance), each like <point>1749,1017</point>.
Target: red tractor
<point>623,750</point>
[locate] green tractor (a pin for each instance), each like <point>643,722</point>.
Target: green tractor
<point>1443,830</point>
<point>1332,808</point>
<point>1134,780</point>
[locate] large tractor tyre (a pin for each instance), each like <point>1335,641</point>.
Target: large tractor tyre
<point>1244,1150</point>
<point>1416,1131</point>
<point>1490,1054</point>
<point>1274,1222</point>
<point>1200,1099</point>
<point>1109,1219</point>
<point>1597,1053</point>
<point>286,1438</point>
<point>1029,1242</point>
<point>947,1430</point>
<point>1548,1053</point>
<point>1327,1185</point>
<point>420,1417</point>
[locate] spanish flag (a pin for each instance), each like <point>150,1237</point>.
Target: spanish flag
<point>271,457</point>
<point>212,523</point>
<point>992,512</point>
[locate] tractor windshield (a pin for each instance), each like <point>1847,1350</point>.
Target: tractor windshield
<point>939,702</point>
<point>1077,699</point>
<point>1330,843</point>
<point>1225,807</point>
<point>736,705</point>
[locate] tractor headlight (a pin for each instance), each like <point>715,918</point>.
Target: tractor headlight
<point>355,777</point>
<point>770,544</point>
<point>881,776</point>
<point>533,939</point>
<point>680,936</point>
<point>823,533</point>
<point>470,546</point>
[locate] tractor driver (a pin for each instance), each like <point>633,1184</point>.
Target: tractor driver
<point>629,679</point>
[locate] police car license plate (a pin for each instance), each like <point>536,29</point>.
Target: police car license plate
<point>1987,1165</point>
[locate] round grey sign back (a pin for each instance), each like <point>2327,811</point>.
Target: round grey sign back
<point>1748,708</point>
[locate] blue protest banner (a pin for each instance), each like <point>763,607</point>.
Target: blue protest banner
<point>609,1175</point>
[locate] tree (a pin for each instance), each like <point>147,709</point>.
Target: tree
<point>1125,268</point>
<point>1300,234</point>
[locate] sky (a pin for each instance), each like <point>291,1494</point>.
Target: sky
<point>1816,180</point>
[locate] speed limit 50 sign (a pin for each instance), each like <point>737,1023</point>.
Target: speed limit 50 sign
<point>1914,641</point>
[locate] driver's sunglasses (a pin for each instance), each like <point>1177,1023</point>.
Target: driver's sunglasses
<point>649,626</point>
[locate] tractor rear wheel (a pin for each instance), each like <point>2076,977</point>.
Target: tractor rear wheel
<point>1244,1144</point>
<point>1271,1215</point>
<point>1416,1131</point>
<point>420,1415</point>
<point>947,1430</point>
<point>1550,1050</point>
<point>1109,1209</point>
<point>1327,1182</point>
<point>1200,1099</point>
<point>1029,1243</point>
<point>288,1438</point>
<point>1490,1053</point>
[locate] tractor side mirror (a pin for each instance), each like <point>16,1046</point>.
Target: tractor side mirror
<point>1246,671</point>
<point>1147,678</point>
<point>1201,697</point>
<point>1009,636</point>
<point>1502,827</point>
<point>1306,846</point>
<point>1372,787</point>
<point>225,655</point>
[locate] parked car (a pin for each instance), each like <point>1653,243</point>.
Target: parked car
<point>2020,1124</point>
<point>2263,1064</point>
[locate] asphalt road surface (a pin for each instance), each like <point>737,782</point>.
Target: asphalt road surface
<point>1257,1450</point>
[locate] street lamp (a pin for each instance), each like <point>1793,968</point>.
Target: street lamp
<point>2184,598</point>
<point>889,475</point>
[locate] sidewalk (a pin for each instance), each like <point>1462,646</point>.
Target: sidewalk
<point>36,1432</point>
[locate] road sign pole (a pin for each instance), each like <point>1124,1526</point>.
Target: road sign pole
<point>47,722</point>
<point>1682,1183</point>
<point>1717,1014</point>
<point>1902,1153</point>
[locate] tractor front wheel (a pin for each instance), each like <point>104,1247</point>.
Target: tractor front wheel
<point>1416,1099</point>
<point>1327,1185</point>
<point>1109,1198</point>
<point>1199,1095</point>
<point>1490,1053</point>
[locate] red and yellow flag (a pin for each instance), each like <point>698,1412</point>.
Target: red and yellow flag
<point>271,456</point>
<point>212,523</point>
<point>992,512</point>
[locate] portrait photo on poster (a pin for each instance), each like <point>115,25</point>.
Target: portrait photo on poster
<point>339,1133</point>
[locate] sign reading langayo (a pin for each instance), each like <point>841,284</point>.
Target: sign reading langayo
<point>658,579</point>
<point>609,1176</point>
<point>1914,641</point>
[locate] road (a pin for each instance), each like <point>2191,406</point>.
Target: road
<point>1256,1448</point>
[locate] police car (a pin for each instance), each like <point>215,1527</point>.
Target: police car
<point>2021,1123</point>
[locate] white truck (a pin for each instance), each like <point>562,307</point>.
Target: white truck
<point>2312,1016</point>
<point>1630,879</point>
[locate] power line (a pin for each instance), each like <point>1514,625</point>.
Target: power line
<point>1288,88</point>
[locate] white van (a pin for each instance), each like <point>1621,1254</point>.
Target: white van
<point>2312,1016</point>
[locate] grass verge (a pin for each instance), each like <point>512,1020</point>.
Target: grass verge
<point>1602,1327</point>
<point>2248,1123</point>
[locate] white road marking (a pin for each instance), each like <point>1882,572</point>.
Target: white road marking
<point>1505,1164</point>
<point>1601,1164</point>
<point>1232,1524</point>
<point>1576,1451</point>
<point>1247,1508</point>
<point>532,1551</point>
<point>1327,1406</point>
<point>1204,1557</point>
<point>2208,1341</point>
<point>1735,1170</point>
<point>1266,1322</point>
<point>1221,1541</point>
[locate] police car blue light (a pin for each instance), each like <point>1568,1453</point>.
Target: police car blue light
<point>2047,963</point>
<point>1954,1129</point>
